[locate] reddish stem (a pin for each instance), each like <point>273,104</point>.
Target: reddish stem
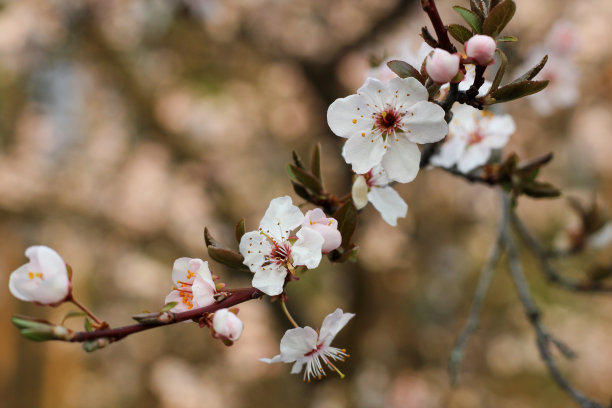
<point>235,297</point>
<point>429,6</point>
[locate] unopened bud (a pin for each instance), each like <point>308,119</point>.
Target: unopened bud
<point>481,49</point>
<point>227,325</point>
<point>93,345</point>
<point>442,66</point>
<point>359,192</point>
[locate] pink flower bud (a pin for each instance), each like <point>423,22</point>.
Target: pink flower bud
<point>480,48</point>
<point>442,66</point>
<point>327,227</point>
<point>227,325</point>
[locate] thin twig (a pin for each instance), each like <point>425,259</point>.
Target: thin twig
<point>486,276</point>
<point>444,42</point>
<point>288,315</point>
<point>544,339</point>
<point>86,310</point>
<point>547,268</point>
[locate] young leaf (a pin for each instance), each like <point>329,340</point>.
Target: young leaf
<point>308,180</point>
<point>239,230</point>
<point>168,306</point>
<point>227,257</point>
<point>315,163</point>
<point>515,90</point>
<point>498,18</point>
<point>470,17</point>
<point>301,191</point>
<point>428,38</point>
<point>88,326</point>
<point>297,160</point>
<point>538,189</point>
<point>459,32</point>
<point>478,7</point>
<point>405,70</point>
<point>508,38</point>
<point>210,241</point>
<point>500,71</point>
<point>529,75</point>
<point>347,222</point>
<point>72,314</point>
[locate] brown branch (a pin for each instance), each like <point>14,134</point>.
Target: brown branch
<point>236,297</point>
<point>444,42</point>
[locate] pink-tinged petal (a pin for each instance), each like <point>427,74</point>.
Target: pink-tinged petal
<point>389,204</point>
<point>180,271</point>
<point>332,324</point>
<point>364,152</point>
<point>227,325</point>
<point>307,249</point>
<point>359,192</point>
<point>280,218</point>
<point>203,291</point>
<point>424,123</point>
<point>175,296</point>
<point>327,227</point>
<point>298,342</point>
<point>406,92</point>
<point>401,163</point>
<point>253,247</point>
<point>374,92</point>
<point>270,279</point>
<point>474,156</point>
<point>349,116</point>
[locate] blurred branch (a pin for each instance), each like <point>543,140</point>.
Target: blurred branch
<point>549,271</point>
<point>544,339</point>
<point>484,282</point>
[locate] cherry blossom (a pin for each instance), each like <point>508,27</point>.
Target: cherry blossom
<point>227,325</point>
<point>327,227</point>
<point>193,285</point>
<point>374,186</point>
<point>473,134</point>
<point>43,280</point>
<point>442,66</point>
<point>481,48</point>
<point>271,251</point>
<point>305,346</point>
<point>383,124</point>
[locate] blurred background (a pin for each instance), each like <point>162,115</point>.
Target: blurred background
<point>126,126</point>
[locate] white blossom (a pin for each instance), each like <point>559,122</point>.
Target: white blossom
<point>326,226</point>
<point>271,251</point>
<point>193,285</point>
<point>306,346</point>
<point>383,124</point>
<point>227,325</point>
<point>472,135</point>
<point>43,280</point>
<point>374,186</point>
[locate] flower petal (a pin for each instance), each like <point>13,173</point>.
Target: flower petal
<point>374,92</point>
<point>359,192</point>
<point>401,162</point>
<point>349,116</point>
<point>270,279</point>
<point>175,296</point>
<point>475,156</point>
<point>389,204</point>
<point>253,247</point>
<point>424,123</point>
<point>406,92</point>
<point>332,324</point>
<point>364,152</point>
<point>307,249</point>
<point>297,342</point>
<point>180,271</point>
<point>20,286</point>
<point>450,152</point>
<point>280,218</point>
<point>275,359</point>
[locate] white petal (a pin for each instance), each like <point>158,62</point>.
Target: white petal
<point>406,92</point>
<point>297,342</point>
<point>275,359</point>
<point>281,217</point>
<point>389,204</point>
<point>297,367</point>
<point>175,296</point>
<point>203,291</point>
<point>364,152</point>
<point>332,324</point>
<point>475,156</point>
<point>498,130</point>
<point>253,247</point>
<point>270,279</point>
<point>359,192</point>
<point>379,177</point>
<point>20,285</point>
<point>424,123</point>
<point>54,285</point>
<point>349,116</point>
<point>307,249</point>
<point>450,152</point>
<point>401,163</point>
<point>179,271</point>
<point>374,93</point>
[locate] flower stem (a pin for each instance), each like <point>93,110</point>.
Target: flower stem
<point>87,311</point>
<point>284,307</point>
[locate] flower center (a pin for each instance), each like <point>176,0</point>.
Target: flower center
<point>32,275</point>
<point>280,253</point>
<point>388,121</point>
<point>475,137</point>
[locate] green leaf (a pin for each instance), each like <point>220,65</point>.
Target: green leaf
<point>529,75</point>
<point>478,7</point>
<point>508,38</point>
<point>459,32</point>
<point>25,322</point>
<point>305,178</point>
<point>72,314</point>
<point>239,230</point>
<point>347,222</point>
<point>301,191</point>
<point>315,163</point>
<point>498,18</point>
<point>227,257</point>
<point>470,17</point>
<point>297,160</point>
<point>538,189</point>
<point>428,38</point>
<point>405,70</point>
<point>500,71</point>
<point>88,326</point>
<point>37,334</point>
<point>210,241</point>
<point>168,306</point>
<point>515,90</point>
